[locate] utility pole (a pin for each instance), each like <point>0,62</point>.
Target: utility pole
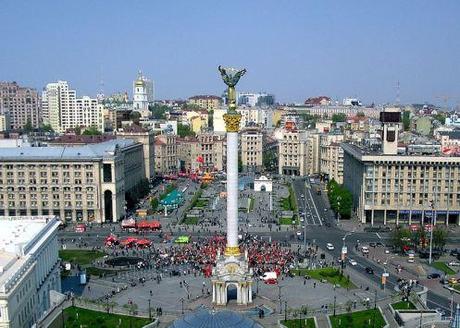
<point>285,310</point>
<point>375,309</point>
<point>150,311</point>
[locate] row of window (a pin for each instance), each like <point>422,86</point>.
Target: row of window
<point>45,204</point>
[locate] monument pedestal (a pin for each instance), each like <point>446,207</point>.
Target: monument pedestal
<point>232,271</point>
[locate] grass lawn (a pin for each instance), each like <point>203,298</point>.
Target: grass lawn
<point>82,257</point>
<point>191,221</point>
<point>403,305</point>
<point>295,323</point>
<point>331,275</point>
<point>285,204</point>
<point>201,203</point>
<point>442,267</point>
<point>88,318</point>
<point>251,204</point>
<point>286,221</point>
<point>456,287</point>
<point>358,319</point>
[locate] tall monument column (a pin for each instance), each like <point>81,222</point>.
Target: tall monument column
<point>232,269</point>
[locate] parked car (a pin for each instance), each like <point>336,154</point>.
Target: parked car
<point>365,250</point>
<point>330,247</point>
<point>352,262</point>
<point>453,280</point>
<point>454,252</point>
<point>454,263</point>
<point>369,270</point>
<point>372,244</point>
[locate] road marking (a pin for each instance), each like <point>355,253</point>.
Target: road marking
<point>378,235</point>
<point>314,205</point>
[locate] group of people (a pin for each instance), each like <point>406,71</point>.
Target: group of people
<point>200,255</point>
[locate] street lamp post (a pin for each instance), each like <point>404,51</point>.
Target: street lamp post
<point>339,198</point>
<point>182,301</point>
<point>285,310</point>
<point>150,311</point>
<point>279,297</point>
<point>430,259</point>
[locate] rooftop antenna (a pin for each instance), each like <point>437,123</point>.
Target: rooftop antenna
<point>101,96</point>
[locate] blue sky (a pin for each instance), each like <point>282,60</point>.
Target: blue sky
<point>294,49</point>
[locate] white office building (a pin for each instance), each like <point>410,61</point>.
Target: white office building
<point>63,111</point>
<point>29,269</point>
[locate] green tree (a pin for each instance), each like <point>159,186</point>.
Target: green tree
<point>135,116</point>
<point>419,237</point>
<point>406,120</point>
<point>211,118</point>
<point>28,126</point>
<point>184,130</point>
<point>400,237</point>
<point>91,131</point>
<point>439,237</point>
<point>154,203</point>
<point>339,117</point>
<point>46,128</point>
<point>440,117</point>
<point>360,114</point>
<point>269,159</point>
<point>340,198</point>
<point>159,111</point>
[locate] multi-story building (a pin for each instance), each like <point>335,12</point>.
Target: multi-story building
<point>187,155</point>
<point>80,183</point>
<point>331,156</point>
<point>22,103</point>
<point>63,111</point>
<point>147,139</point>
<point>388,187</point>
<point>142,95</point>
<point>292,153</point>
<point>211,148</point>
<point>166,161</point>
<point>251,149</point>
<point>261,99</point>
<point>206,101</point>
<point>29,266</point>
<point>312,153</point>
<point>5,122</point>
<point>196,119</point>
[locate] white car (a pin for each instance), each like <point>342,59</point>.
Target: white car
<point>352,262</point>
<point>453,263</point>
<point>330,247</point>
<point>365,250</point>
<point>299,233</point>
<point>302,196</point>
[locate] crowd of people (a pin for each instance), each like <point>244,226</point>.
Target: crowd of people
<point>200,255</point>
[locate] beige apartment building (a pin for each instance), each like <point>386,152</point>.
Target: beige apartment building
<point>312,153</point>
<point>251,149</point>
<point>206,101</point>
<point>212,149</point>
<point>22,103</point>
<point>292,152</point>
<point>80,183</point>
<point>166,161</point>
<point>331,156</point>
<point>402,189</point>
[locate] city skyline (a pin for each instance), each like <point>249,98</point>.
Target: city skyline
<point>294,51</point>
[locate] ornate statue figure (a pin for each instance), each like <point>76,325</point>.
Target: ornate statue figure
<point>231,76</point>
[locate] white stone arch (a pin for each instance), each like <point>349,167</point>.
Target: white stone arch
<point>230,285</point>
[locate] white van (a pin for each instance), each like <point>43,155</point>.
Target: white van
<point>365,250</point>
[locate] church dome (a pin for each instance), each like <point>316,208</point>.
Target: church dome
<point>209,319</point>
<point>139,83</point>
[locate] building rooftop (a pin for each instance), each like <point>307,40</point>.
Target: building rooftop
<point>81,139</point>
<point>452,134</point>
<point>86,152</point>
<point>19,238</point>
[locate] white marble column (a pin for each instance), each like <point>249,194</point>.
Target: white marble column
<point>232,189</point>
<point>213,293</point>
<point>250,293</point>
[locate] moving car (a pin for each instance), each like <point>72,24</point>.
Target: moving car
<point>330,247</point>
<point>352,262</point>
<point>369,270</point>
<point>454,263</point>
